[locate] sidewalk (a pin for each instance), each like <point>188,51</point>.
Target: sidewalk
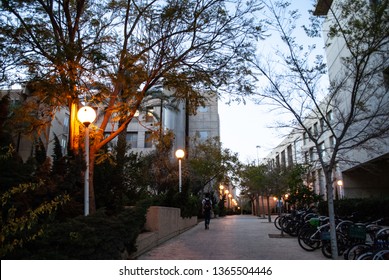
<point>242,237</point>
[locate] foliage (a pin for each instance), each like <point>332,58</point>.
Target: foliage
<point>161,168</point>
<point>300,195</point>
<point>209,162</point>
<point>20,226</point>
<point>360,209</point>
<point>189,203</point>
<point>120,181</point>
<point>114,54</point>
<point>97,236</point>
<point>253,178</point>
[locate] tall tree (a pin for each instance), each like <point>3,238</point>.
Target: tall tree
<point>210,163</point>
<point>253,184</point>
<point>111,54</point>
<point>354,109</point>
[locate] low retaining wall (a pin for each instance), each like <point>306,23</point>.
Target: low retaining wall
<point>162,223</point>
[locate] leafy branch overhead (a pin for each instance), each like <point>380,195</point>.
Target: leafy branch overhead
<point>112,54</point>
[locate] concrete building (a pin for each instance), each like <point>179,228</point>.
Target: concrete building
<point>362,169</point>
<point>164,114</point>
<point>25,143</point>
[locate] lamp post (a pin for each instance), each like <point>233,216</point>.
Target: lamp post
<point>86,115</point>
<point>258,147</point>
<point>180,155</point>
<point>286,196</point>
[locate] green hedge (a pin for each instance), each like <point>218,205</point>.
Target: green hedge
<point>365,209</point>
<point>96,236</point>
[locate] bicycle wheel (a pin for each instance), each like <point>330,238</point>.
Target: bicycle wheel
<point>341,241</point>
<point>355,251</point>
<point>381,255</point>
<point>285,224</point>
<point>306,241</point>
<point>326,249</point>
<point>278,221</point>
<point>366,256</point>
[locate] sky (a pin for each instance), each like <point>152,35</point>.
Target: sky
<point>249,129</point>
<point>243,128</point>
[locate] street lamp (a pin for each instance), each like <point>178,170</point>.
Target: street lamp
<point>258,147</point>
<point>340,184</point>
<point>180,155</point>
<point>221,187</point>
<point>86,115</point>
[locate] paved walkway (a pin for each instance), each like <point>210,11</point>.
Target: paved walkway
<point>232,238</point>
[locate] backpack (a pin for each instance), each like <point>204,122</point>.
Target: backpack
<point>207,205</point>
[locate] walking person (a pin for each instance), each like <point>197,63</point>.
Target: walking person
<point>207,208</point>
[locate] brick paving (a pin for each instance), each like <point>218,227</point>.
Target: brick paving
<point>241,237</point>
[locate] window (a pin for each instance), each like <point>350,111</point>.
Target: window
<point>148,140</point>
<point>311,154</point>
<point>66,123</point>
<point>304,138</point>
<point>202,135</point>
<point>132,139</point>
<point>322,148</point>
<point>322,125</point>
<point>283,159</point>
<point>315,129</point>
<point>290,155</point>
<point>332,142</point>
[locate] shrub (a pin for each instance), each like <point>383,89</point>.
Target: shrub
<point>362,209</point>
<point>97,236</point>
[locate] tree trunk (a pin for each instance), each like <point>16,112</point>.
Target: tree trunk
<point>268,208</point>
<point>257,205</point>
<point>263,206</point>
<point>331,214</point>
<point>252,207</point>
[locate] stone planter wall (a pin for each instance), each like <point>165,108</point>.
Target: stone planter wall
<point>162,223</point>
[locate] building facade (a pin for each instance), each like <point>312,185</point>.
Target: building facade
<point>157,115</point>
<point>24,143</point>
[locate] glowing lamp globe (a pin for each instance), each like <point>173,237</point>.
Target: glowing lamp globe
<point>86,115</point>
<point>180,154</point>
